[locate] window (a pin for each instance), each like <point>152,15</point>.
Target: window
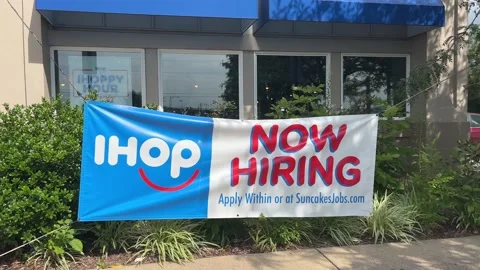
<point>202,84</point>
<point>117,76</point>
<point>474,120</point>
<point>371,82</point>
<point>277,74</point>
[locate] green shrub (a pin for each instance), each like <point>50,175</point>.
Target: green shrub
<point>392,217</point>
<point>391,162</point>
<point>466,198</point>
<point>39,168</point>
<point>267,234</point>
<point>176,241</point>
<point>429,186</point>
<point>112,236</point>
<point>343,231</point>
<point>305,102</point>
<point>224,231</point>
<point>58,248</point>
<point>151,106</point>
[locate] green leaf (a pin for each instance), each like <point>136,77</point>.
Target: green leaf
<point>76,245</point>
<point>470,208</point>
<point>58,250</point>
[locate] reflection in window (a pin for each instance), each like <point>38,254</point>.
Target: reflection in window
<point>474,120</point>
<point>115,76</point>
<point>276,76</point>
<point>369,83</point>
<point>202,85</point>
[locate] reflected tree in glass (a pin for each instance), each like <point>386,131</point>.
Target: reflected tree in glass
<point>277,75</point>
<point>372,82</point>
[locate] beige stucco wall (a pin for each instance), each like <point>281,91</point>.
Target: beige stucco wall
<point>21,66</point>
<point>446,106</point>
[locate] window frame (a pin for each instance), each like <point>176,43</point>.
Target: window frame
<point>202,52</point>
<point>286,53</point>
<point>386,55</point>
<point>53,90</point>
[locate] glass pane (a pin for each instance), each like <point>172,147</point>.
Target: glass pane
<point>116,76</point>
<point>475,120</point>
<point>203,85</point>
<point>370,82</point>
<point>276,76</point>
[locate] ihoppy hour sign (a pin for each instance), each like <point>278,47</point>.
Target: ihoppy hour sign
<point>142,164</point>
<point>107,83</point>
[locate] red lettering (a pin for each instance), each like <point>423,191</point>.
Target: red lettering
<point>319,141</point>
<point>251,171</point>
<point>317,167</point>
<point>301,171</point>
<point>301,130</point>
<point>355,173</point>
<point>263,171</point>
<point>285,173</point>
<point>268,141</point>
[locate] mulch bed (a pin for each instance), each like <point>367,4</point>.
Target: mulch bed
<point>95,261</point>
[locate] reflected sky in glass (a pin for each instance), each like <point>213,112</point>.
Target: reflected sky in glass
<point>191,80</point>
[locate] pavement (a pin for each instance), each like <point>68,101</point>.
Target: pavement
<point>457,253</point>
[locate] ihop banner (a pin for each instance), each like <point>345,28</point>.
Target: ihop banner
<point>141,164</point>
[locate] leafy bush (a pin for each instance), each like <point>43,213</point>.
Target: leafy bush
<point>151,106</point>
<point>224,231</point>
<point>39,168</point>
<point>466,197</point>
<point>112,236</point>
<point>56,249</point>
<point>391,159</point>
<point>304,102</point>
<point>175,241</point>
<point>268,234</point>
<point>344,231</point>
<point>393,217</point>
<point>429,187</point>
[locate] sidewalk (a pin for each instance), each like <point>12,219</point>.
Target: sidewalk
<point>458,253</point>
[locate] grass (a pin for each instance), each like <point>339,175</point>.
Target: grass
<point>175,241</point>
<point>392,218</point>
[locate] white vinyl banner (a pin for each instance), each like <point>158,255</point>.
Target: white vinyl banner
<point>310,167</point>
<point>140,164</point>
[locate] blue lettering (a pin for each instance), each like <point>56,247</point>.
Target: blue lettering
<point>95,79</point>
<point>257,198</point>
<point>119,78</point>
<point>114,88</point>
<point>85,88</point>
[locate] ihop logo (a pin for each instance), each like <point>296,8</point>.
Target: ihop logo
<point>154,155</point>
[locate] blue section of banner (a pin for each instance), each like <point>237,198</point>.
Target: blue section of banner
<point>125,174</point>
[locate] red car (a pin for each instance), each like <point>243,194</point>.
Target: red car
<point>474,134</point>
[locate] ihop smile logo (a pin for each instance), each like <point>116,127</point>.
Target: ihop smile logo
<point>158,160</point>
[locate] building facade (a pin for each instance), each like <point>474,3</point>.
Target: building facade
<point>192,56</point>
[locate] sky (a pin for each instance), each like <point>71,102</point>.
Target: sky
<point>471,15</point>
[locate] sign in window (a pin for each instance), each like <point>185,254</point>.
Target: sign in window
<point>115,76</point>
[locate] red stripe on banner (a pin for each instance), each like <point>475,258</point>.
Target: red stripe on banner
<point>167,189</point>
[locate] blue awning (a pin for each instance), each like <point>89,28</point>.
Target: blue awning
<point>362,18</point>
<point>397,12</point>
<point>397,18</point>
<point>175,15</point>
